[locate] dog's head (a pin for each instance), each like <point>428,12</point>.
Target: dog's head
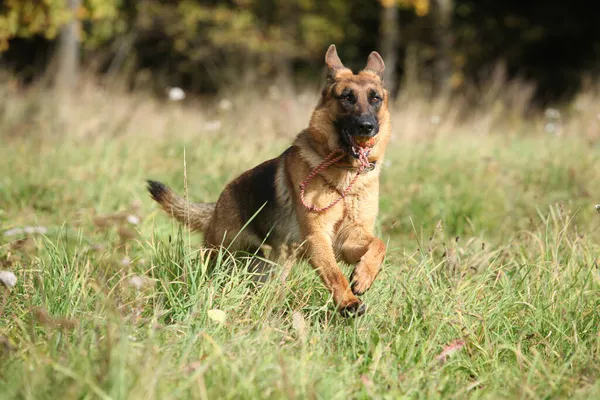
<point>353,110</point>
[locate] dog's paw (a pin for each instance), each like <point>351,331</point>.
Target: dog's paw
<point>354,309</point>
<point>362,278</point>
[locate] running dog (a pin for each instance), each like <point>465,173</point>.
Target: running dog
<point>321,193</point>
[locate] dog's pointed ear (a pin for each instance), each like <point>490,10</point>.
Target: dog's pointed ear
<point>375,64</point>
<point>334,64</point>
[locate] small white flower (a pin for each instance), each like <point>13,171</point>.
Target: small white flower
<point>27,229</point>
<point>213,125</point>
<point>13,232</point>
<point>225,105</point>
<point>274,92</point>
<point>8,279</point>
<point>552,113</point>
<point>139,282</point>
<point>136,281</point>
<point>35,229</point>
<point>550,127</point>
<point>97,247</point>
<point>176,94</point>
<point>133,219</point>
<point>126,261</point>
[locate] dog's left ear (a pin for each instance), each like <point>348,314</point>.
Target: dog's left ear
<point>375,64</point>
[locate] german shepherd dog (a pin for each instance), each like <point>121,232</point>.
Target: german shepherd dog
<point>326,209</point>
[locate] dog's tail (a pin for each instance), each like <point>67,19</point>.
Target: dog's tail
<point>195,215</point>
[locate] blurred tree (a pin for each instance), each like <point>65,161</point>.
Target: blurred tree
<point>390,38</point>
<point>263,37</point>
<point>442,11</point>
<point>68,50</point>
<point>27,19</point>
<point>204,45</point>
<point>390,34</point>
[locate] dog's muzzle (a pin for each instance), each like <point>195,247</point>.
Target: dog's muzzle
<point>358,133</point>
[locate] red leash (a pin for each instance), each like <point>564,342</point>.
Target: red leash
<point>328,162</point>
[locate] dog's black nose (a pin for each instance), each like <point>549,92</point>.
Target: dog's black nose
<point>366,127</point>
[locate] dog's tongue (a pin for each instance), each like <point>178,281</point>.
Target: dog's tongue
<point>365,141</point>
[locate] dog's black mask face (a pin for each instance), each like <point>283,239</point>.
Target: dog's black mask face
<point>357,123</point>
<point>355,102</point>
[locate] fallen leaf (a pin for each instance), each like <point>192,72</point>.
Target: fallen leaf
<point>5,344</point>
<point>450,349</point>
<point>192,367</point>
<point>217,315</point>
<point>299,324</point>
<point>366,381</point>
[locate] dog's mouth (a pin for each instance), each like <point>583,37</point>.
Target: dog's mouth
<point>356,144</point>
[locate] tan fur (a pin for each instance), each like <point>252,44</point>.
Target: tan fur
<point>344,232</point>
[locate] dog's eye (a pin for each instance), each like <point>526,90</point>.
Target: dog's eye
<point>376,99</point>
<point>349,97</point>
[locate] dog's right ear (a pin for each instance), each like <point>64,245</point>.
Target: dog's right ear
<point>334,64</point>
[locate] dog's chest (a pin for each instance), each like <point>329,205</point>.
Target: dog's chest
<point>360,210</point>
<point>352,209</point>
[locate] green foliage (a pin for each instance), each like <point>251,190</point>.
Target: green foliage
<point>30,17</point>
<point>204,45</point>
<point>258,27</point>
<point>104,20</point>
<point>421,7</point>
<point>26,18</point>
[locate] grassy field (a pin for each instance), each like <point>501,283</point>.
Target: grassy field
<point>490,288</point>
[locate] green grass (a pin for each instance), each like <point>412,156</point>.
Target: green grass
<point>491,240</point>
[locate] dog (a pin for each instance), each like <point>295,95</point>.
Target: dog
<point>321,193</point>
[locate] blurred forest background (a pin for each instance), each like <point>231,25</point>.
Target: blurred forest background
<point>203,46</point>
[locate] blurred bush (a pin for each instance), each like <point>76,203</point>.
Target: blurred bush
<point>205,45</point>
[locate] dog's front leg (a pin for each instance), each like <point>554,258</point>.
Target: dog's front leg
<point>366,250</point>
<point>322,258</point>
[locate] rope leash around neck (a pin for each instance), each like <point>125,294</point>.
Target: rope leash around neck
<point>327,162</point>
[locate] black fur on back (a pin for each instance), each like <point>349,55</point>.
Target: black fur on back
<point>255,189</point>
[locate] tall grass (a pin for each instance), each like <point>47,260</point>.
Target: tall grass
<point>489,289</point>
